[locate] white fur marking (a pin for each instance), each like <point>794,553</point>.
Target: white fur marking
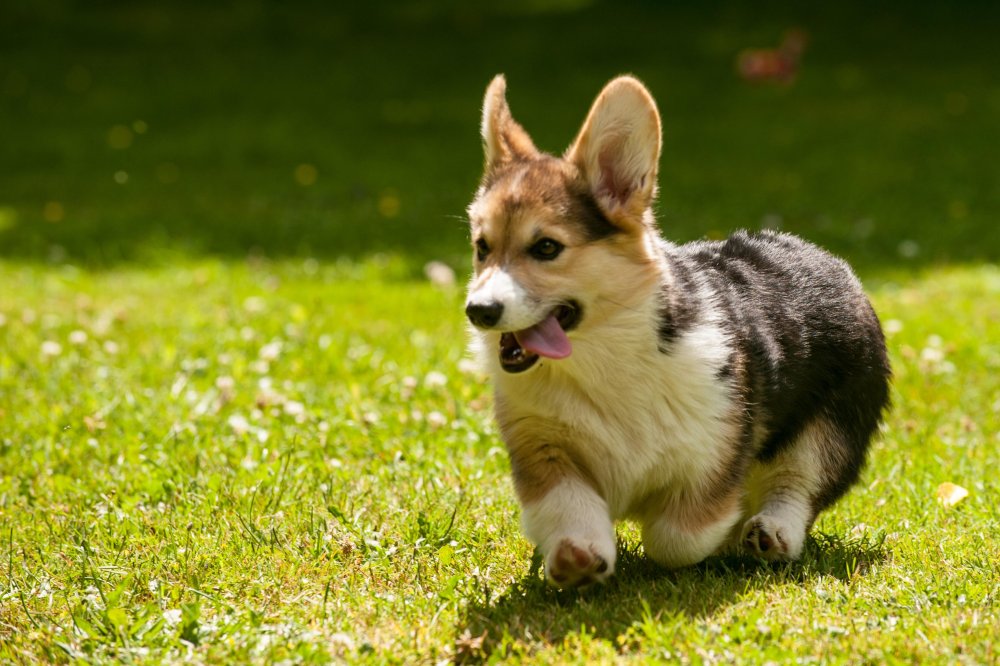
<point>575,513</point>
<point>519,311</point>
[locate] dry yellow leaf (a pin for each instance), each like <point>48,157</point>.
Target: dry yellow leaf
<point>950,494</point>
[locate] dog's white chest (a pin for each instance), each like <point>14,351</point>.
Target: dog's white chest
<point>644,421</point>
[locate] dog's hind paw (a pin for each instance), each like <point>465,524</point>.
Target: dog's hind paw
<point>765,536</point>
<point>574,565</point>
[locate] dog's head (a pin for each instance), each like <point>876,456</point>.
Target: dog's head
<point>562,243</point>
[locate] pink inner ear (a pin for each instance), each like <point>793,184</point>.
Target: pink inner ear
<point>612,183</point>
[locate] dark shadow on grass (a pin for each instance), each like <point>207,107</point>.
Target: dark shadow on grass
<point>530,613</point>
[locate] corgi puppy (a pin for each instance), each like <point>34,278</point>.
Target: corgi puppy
<point>719,393</point>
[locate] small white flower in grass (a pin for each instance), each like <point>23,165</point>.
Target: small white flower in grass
<point>420,339</point>
<point>946,368</point>
<point>342,643</point>
<point>893,326</point>
<point>3,320</point>
<point>271,351</point>
<point>51,348</point>
<point>153,585</point>
<point>254,304</point>
<point>294,408</point>
<point>239,424</point>
<point>262,435</point>
<point>435,380</point>
<point>371,418</point>
<point>78,337</point>
<point>91,596</point>
<point>105,320</point>
<point>111,347</point>
<point>172,617</point>
<point>932,355</point>
<point>437,420</point>
<point>247,334</point>
<point>260,367</point>
<point>28,316</point>
<point>440,274</point>
<point>180,383</point>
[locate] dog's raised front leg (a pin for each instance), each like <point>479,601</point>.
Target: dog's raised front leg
<point>571,525</point>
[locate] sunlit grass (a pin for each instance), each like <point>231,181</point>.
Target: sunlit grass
<point>289,460</point>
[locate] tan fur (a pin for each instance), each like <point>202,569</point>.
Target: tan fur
<point>537,468</point>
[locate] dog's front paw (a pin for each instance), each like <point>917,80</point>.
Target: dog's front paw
<point>765,536</point>
<point>577,564</point>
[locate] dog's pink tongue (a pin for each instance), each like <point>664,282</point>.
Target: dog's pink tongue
<point>545,339</point>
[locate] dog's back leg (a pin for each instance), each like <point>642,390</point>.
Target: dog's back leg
<point>785,493</point>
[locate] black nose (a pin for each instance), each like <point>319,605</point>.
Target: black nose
<point>484,315</point>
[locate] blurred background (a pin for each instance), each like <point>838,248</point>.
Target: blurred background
<point>138,132</point>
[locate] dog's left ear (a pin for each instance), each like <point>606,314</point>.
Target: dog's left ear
<point>504,140</point>
<point>618,150</point>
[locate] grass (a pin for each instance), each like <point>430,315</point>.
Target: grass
<point>288,461</point>
<point>235,421</point>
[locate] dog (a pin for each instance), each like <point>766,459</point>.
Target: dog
<point>719,393</point>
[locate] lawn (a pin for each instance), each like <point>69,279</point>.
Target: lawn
<point>236,421</point>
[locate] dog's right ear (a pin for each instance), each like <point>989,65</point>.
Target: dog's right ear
<point>503,139</point>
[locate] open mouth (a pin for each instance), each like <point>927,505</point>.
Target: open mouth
<point>519,350</point>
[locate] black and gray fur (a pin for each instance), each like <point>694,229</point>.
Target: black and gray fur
<point>808,345</point>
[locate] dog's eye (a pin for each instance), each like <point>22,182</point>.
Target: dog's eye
<point>546,249</point>
<point>482,249</point>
